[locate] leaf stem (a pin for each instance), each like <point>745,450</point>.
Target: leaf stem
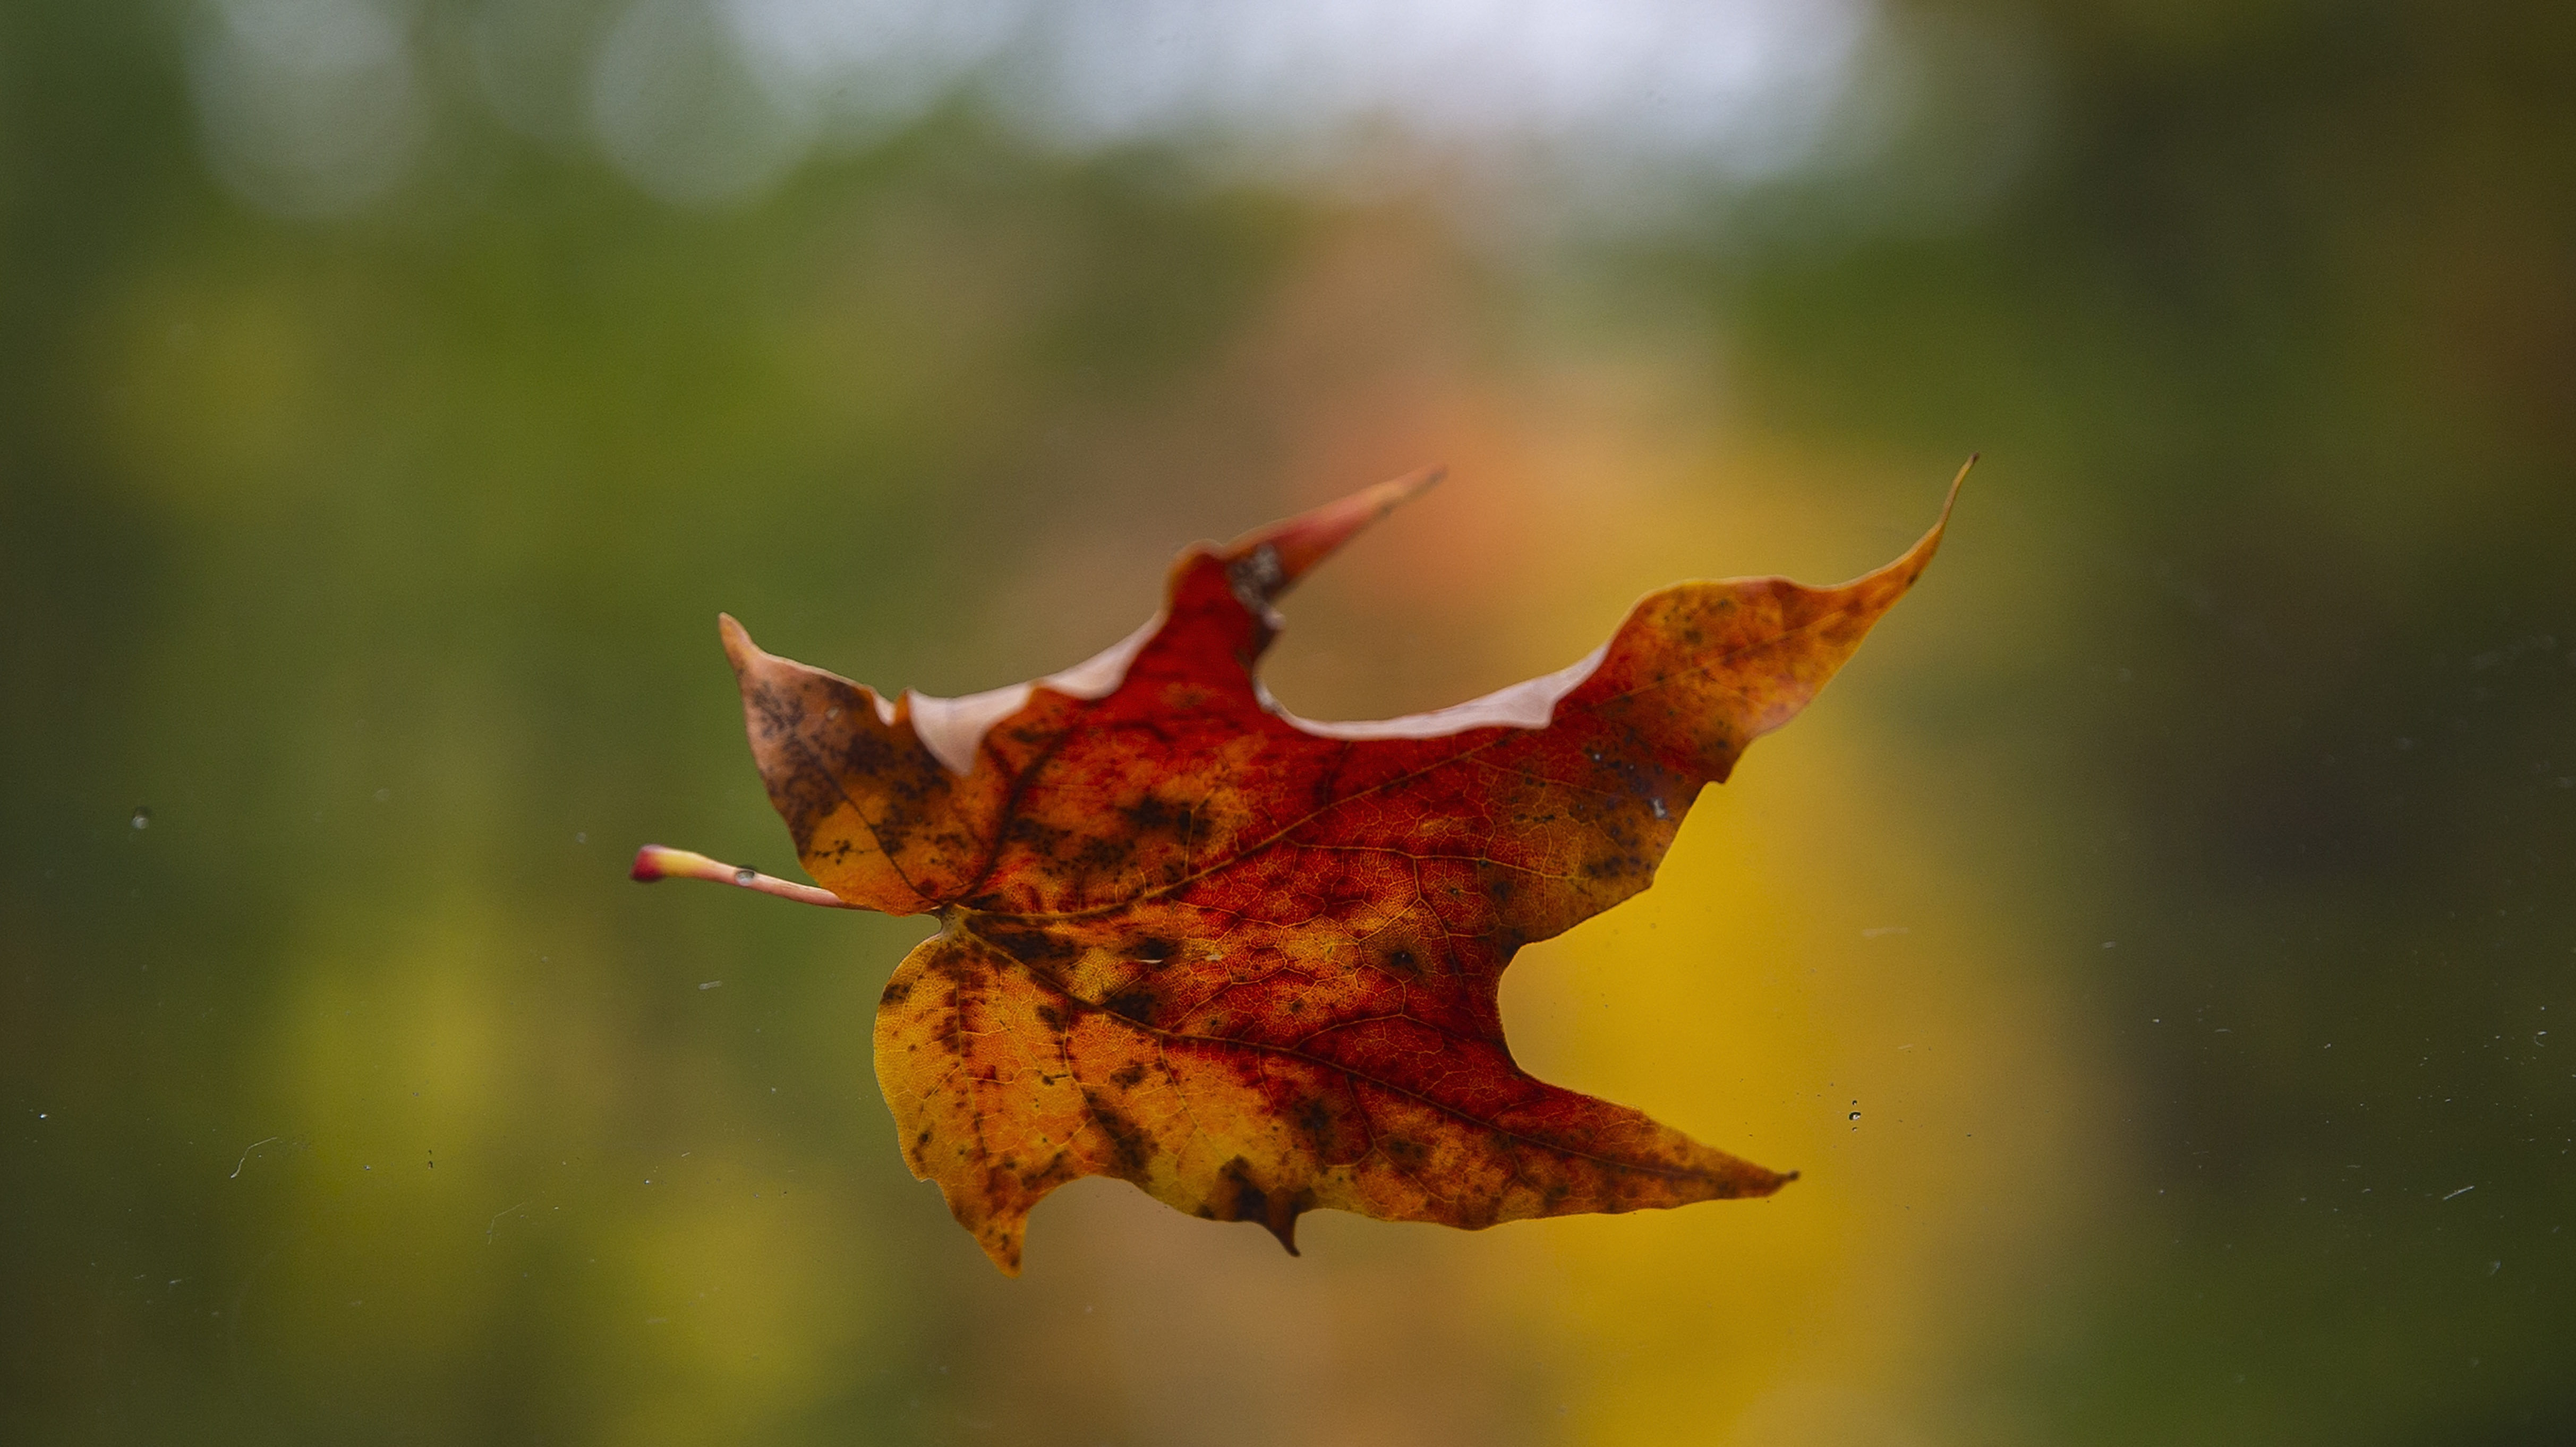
<point>660,861</point>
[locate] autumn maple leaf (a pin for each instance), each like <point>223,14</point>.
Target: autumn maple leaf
<point>1248,961</point>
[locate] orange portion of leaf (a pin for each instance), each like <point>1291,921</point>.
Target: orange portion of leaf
<point>1249,962</point>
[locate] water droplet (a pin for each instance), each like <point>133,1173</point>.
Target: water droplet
<point>142,819</point>
<point>580,837</point>
<point>1855,1115</point>
<point>383,794</point>
<point>745,875</point>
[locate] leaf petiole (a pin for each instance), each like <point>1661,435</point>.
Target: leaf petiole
<point>660,861</point>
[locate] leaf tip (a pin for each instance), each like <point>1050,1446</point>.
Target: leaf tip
<point>1002,1244</point>
<point>1299,543</point>
<point>738,647</point>
<point>1907,568</point>
<point>1956,483</point>
<point>1413,484</point>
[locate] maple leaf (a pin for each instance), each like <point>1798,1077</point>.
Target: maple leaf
<point>1247,961</point>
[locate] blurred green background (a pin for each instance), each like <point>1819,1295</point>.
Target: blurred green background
<point>2181,887</point>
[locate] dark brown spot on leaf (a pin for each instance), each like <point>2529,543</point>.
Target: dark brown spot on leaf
<point>1133,1004</point>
